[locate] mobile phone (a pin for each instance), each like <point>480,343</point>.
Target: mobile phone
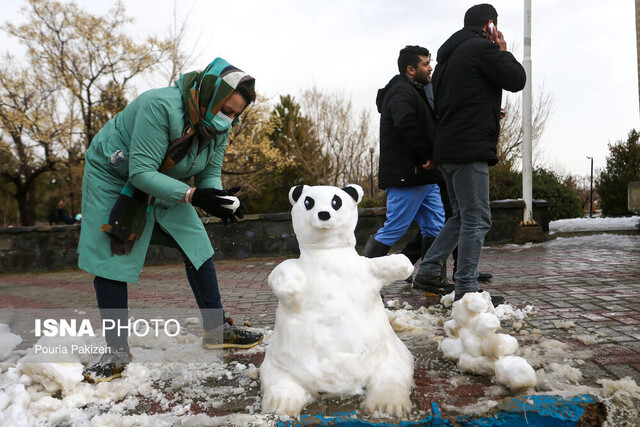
<point>492,28</point>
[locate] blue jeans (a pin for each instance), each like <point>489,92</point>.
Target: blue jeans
<point>405,204</point>
<point>468,188</point>
<point>112,300</point>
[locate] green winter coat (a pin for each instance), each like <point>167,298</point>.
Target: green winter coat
<point>143,131</point>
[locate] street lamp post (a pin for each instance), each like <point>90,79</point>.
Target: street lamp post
<point>371,151</point>
<point>591,190</point>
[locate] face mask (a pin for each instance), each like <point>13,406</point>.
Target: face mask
<point>222,122</point>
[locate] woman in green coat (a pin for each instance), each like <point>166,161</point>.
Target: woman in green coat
<point>136,192</point>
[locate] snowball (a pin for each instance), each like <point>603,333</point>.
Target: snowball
<point>484,324</point>
<point>515,373</point>
<point>471,342</point>
<point>479,365</point>
<point>451,348</point>
<point>499,345</point>
<point>451,327</point>
<point>461,314</point>
<point>478,302</point>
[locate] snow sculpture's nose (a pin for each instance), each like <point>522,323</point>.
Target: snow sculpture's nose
<point>324,215</point>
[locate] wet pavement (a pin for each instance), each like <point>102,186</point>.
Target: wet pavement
<point>582,327</point>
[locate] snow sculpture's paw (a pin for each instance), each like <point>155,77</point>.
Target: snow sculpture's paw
<point>400,263</point>
<point>393,400</point>
<point>392,267</point>
<point>288,282</point>
<point>285,401</point>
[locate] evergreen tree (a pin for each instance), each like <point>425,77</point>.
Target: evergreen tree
<point>294,138</point>
<point>623,166</point>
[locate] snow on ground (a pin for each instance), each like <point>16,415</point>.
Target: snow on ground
<point>557,364</point>
<point>32,392</point>
<point>41,393</point>
<point>594,224</point>
<point>602,241</point>
<point>52,394</point>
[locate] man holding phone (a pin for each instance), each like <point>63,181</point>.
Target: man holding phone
<point>473,68</point>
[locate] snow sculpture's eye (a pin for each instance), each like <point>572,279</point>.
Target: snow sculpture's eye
<point>336,202</point>
<point>309,202</point>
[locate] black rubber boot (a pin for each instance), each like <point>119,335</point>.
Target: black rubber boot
<point>375,249</point>
<point>413,249</point>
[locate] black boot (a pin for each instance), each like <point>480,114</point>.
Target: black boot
<point>436,284</point>
<point>484,277</point>
<point>375,249</point>
<point>413,249</point>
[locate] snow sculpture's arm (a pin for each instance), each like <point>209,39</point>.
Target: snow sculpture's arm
<point>391,267</point>
<point>288,281</point>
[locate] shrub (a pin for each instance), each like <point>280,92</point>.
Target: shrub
<point>563,202</point>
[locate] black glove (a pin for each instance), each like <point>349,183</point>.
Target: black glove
<point>213,202</point>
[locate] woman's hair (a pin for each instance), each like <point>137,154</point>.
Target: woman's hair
<point>246,90</point>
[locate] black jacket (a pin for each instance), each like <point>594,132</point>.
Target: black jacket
<point>467,85</point>
<point>407,127</point>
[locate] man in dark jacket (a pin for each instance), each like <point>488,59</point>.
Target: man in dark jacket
<point>473,69</point>
<point>407,127</point>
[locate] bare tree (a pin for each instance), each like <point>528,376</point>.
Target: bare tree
<point>344,137</point>
<point>83,52</point>
<point>31,133</point>
<point>180,56</point>
<point>511,132</point>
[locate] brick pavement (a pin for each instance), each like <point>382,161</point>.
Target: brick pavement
<point>580,287</point>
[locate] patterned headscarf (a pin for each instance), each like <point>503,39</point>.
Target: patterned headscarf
<point>203,95</point>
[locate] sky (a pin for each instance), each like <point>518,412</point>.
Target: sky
<point>583,53</point>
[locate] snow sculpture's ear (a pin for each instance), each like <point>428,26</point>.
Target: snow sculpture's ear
<point>355,191</point>
<point>295,193</point>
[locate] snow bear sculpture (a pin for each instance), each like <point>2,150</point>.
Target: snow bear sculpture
<point>332,337</point>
